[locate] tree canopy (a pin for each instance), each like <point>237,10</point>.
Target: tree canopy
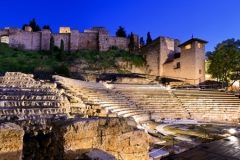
<point>35,27</point>
<point>224,61</point>
<point>149,39</point>
<point>142,43</point>
<point>47,27</point>
<point>121,32</point>
<point>131,44</point>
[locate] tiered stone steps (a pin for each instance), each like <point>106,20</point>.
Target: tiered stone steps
<point>153,99</point>
<point>210,105</point>
<point>22,98</point>
<point>111,103</point>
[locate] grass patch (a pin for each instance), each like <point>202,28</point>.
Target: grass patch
<point>15,59</point>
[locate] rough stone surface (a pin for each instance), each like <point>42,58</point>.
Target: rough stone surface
<point>11,141</point>
<point>111,135</point>
<point>98,38</point>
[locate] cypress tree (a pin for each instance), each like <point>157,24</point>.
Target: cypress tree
<point>131,43</point>
<point>149,39</point>
<point>62,55</point>
<point>51,46</point>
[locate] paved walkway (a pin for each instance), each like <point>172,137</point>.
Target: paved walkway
<point>160,129</point>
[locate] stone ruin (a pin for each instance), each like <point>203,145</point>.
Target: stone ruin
<point>41,121</point>
<point>72,119</point>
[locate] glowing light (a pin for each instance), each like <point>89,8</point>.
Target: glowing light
<point>232,131</point>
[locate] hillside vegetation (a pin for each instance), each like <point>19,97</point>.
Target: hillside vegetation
<point>18,60</point>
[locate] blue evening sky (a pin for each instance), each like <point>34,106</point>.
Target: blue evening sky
<point>211,20</point>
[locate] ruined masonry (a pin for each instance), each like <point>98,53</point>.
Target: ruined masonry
<point>51,123</point>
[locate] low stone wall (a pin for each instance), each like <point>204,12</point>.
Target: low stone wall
<point>11,141</point>
<point>112,135</point>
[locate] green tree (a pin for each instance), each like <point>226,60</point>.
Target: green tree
<point>51,46</point>
<point>224,61</point>
<point>131,44</point>
<point>47,27</point>
<point>142,43</point>
<point>63,71</point>
<point>1,48</point>
<point>34,25</point>
<point>121,32</point>
<point>149,39</point>
<point>62,54</point>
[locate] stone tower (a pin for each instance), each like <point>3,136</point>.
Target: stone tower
<point>192,60</point>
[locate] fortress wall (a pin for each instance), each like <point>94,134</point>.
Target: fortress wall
<point>66,39</point>
<point>151,52</point>
<point>45,40</point>
<point>26,40</point>
<point>120,42</point>
<point>88,40</point>
<point>104,43</point>
<point>168,48</point>
<point>3,32</point>
<point>74,38</point>
<point>36,41</point>
<point>14,37</point>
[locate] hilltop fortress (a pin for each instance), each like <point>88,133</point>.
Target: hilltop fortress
<point>97,38</point>
<point>167,58</point>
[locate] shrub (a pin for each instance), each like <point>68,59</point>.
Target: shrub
<point>63,70</point>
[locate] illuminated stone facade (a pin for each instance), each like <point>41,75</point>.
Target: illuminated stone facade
<point>97,38</point>
<point>167,58</point>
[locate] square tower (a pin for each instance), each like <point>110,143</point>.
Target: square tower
<point>192,61</point>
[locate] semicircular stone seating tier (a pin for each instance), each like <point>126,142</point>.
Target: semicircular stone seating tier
<point>108,102</point>
<point>144,102</point>
<point>206,106</point>
<point>28,102</point>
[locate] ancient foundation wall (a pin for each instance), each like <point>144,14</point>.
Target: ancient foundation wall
<point>111,135</point>
<point>63,36</point>
<point>11,141</point>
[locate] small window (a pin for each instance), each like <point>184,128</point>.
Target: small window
<point>200,45</point>
<point>178,64</point>
<point>200,71</point>
<point>189,46</point>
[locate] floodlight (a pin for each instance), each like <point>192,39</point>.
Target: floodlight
<point>232,131</point>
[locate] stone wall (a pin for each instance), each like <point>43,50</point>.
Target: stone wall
<point>66,39</point>
<point>151,52</point>
<point>3,32</point>
<point>11,141</point>
<point>120,42</point>
<point>95,39</point>
<point>191,61</point>
<point>88,41</point>
<point>111,135</point>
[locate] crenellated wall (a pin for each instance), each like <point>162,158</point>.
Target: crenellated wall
<point>97,38</point>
